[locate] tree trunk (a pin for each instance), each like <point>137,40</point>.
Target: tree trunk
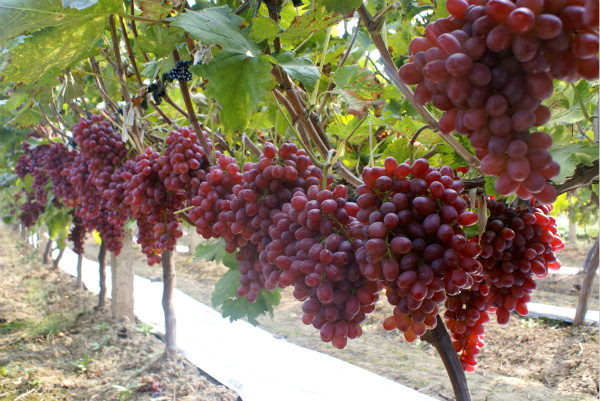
<point>168,263</point>
<point>47,250</point>
<point>572,233</point>
<point>58,258</point>
<point>591,265</point>
<point>102,271</point>
<point>194,240</point>
<point>122,280</point>
<point>442,342</point>
<point>79,282</point>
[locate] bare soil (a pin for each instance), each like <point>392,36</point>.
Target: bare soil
<point>55,346</point>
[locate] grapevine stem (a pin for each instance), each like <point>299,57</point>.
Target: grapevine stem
<point>185,93</point>
<point>144,19</point>
<point>340,65</point>
<point>440,339</point>
<point>130,52</point>
<point>175,105</point>
<point>392,72</point>
<point>248,142</point>
<point>313,98</point>
<point>581,105</point>
<point>371,161</point>
<point>411,144</point>
<point>326,167</point>
<point>296,133</point>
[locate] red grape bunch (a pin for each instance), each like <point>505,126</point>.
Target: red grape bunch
<point>152,206</point>
<point>488,67</point>
<point>414,243</point>
<point>77,235</point>
<point>313,242</point>
<point>465,315</point>
<point>266,186</point>
<point>214,196</point>
<point>516,246</point>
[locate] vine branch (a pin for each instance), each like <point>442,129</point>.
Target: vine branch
<point>374,28</point>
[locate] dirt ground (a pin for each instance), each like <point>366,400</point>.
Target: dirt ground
<point>55,346</point>
<point>528,359</point>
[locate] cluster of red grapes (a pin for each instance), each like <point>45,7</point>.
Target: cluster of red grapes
<point>100,152</point>
<point>517,246</point>
<point>313,248</point>
<point>488,67</point>
<point>156,186</point>
<point>77,235</point>
<point>214,196</point>
<point>412,218</point>
<point>266,186</point>
<point>31,162</point>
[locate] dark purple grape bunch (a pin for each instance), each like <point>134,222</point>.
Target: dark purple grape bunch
<point>181,71</point>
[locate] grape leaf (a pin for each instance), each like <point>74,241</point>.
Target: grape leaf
<point>235,307</point>
<point>358,88</point>
<point>53,50</point>
<point>72,87</point>
<point>301,69</point>
<point>159,40</point>
<point>340,6</point>
<point>264,28</point>
<point>238,83</point>
<point>569,156</point>
<point>19,17</point>
<point>217,25</point>
<point>307,23</point>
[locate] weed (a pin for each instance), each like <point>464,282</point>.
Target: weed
<point>125,393</point>
<point>144,328</point>
<point>102,327</point>
<point>82,364</point>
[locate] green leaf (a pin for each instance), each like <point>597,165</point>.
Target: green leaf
<point>343,127</point>
<point>238,82</point>
<point>159,40</point>
<point>569,156</point>
<point>309,22</point>
<point>357,87</point>
<point>301,69</point>
<point>235,307</point>
<point>73,87</point>
<point>19,17</point>
<point>264,28</point>
<point>340,6</point>
<point>217,25</point>
<point>54,49</point>
<point>212,251</point>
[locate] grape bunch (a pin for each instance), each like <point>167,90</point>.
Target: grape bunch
<point>32,163</point>
<point>54,161</point>
<point>181,71</point>
<point>412,217</point>
<point>516,246</point>
<point>77,235</point>
<point>214,196</point>
<point>465,315</point>
<point>100,152</point>
<point>312,248</point>
<point>488,67</point>
<point>152,205</point>
<point>183,163</point>
<point>266,186</point>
